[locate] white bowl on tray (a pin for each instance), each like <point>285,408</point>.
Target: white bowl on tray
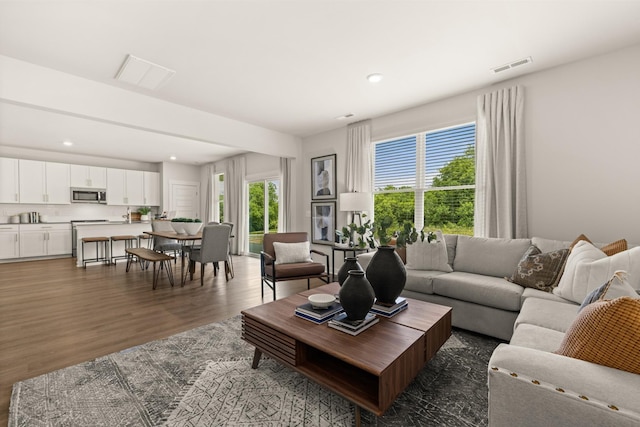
<point>321,300</point>
<point>178,227</point>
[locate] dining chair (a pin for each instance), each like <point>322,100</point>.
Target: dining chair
<point>214,248</point>
<point>162,244</point>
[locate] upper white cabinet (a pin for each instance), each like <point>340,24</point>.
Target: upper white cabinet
<point>9,188</point>
<point>151,189</point>
<point>44,182</point>
<point>88,176</point>
<point>125,187</point>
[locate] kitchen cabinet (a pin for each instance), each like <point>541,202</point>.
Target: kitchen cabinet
<point>9,241</point>
<point>88,176</point>
<point>151,188</point>
<point>45,240</point>
<point>44,182</point>
<point>9,188</point>
<point>125,187</point>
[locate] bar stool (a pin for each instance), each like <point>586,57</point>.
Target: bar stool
<point>129,242</point>
<point>97,240</point>
<point>148,238</point>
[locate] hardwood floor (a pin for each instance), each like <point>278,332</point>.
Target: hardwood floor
<point>53,314</point>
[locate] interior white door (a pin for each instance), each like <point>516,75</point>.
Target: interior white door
<point>185,199</point>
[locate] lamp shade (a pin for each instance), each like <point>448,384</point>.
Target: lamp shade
<point>354,202</point>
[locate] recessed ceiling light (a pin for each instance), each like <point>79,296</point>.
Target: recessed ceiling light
<point>346,116</point>
<point>374,78</point>
<point>172,157</point>
<point>67,143</point>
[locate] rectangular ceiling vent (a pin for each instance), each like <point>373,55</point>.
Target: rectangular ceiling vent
<point>143,73</point>
<point>511,65</point>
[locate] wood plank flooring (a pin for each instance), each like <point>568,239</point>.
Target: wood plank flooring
<point>53,314</point>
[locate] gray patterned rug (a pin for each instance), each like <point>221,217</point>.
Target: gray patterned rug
<point>203,377</point>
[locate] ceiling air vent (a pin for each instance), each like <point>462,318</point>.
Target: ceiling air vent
<point>143,73</point>
<point>511,65</point>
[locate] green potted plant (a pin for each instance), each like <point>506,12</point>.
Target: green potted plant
<point>144,213</point>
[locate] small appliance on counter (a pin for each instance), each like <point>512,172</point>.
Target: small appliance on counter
<point>14,219</point>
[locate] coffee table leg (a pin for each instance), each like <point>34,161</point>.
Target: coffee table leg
<point>357,416</point>
<point>256,358</point>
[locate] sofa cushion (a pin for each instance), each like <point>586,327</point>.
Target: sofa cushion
<point>452,241</point>
<point>537,337</point>
<point>588,267</point>
<point>539,270</point>
<point>428,255</point>
<point>606,333</point>
<point>489,256</point>
<point>547,314</point>
<point>535,293</point>
<point>421,280</point>
<point>479,289</point>
<point>549,245</point>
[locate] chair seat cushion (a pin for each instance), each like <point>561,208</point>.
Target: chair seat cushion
<point>301,269</point>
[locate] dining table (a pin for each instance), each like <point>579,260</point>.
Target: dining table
<point>184,239</point>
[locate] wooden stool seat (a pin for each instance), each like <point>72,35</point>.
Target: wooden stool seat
<point>144,254</point>
<point>128,240</point>
<point>97,240</point>
<point>147,237</point>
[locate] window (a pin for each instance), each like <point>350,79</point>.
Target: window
<point>427,179</point>
<point>264,203</point>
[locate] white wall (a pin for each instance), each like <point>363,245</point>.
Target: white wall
<point>581,144</point>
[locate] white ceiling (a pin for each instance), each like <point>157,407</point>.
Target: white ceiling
<point>290,66</point>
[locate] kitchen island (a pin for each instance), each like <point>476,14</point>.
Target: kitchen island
<point>106,229</point>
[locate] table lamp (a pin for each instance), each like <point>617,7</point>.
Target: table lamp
<point>355,202</point>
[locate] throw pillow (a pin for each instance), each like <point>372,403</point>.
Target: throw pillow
<point>618,285</point>
<point>587,268</point>
<point>539,270</point>
<point>429,256</point>
<point>290,253</point>
<point>609,249</point>
<point>606,333</point>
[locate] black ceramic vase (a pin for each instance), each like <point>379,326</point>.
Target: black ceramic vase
<point>350,263</point>
<point>356,295</point>
<point>387,274</point>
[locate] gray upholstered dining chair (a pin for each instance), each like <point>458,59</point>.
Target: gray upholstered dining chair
<point>162,244</point>
<point>213,249</point>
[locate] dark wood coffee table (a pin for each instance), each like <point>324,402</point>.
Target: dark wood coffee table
<point>370,369</point>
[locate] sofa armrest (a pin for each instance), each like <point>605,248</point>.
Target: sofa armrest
<point>530,387</point>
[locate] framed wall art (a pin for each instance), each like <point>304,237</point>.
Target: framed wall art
<point>323,222</point>
<point>323,177</point>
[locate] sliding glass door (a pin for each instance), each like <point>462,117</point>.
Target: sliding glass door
<point>264,203</point>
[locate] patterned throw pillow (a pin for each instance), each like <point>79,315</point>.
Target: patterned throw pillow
<point>539,270</point>
<point>618,285</point>
<point>606,333</point>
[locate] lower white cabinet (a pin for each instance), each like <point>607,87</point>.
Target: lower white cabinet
<point>45,239</point>
<point>9,241</point>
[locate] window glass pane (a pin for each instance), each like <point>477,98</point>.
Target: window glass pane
<point>450,157</point>
<point>274,194</point>
<point>256,216</point>
<point>220,188</point>
<point>395,164</point>
<point>397,205</point>
<point>449,210</point>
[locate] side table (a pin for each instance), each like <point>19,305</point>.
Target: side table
<point>344,251</point>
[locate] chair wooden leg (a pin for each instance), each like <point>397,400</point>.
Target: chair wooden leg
<point>202,274</point>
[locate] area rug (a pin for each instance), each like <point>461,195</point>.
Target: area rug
<point>202,377</point>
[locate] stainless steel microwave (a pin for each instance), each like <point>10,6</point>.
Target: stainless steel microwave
<point>88,195</point>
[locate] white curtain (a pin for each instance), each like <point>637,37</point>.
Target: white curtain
<point>359,169</point>
<point>235,206</point>
<point>208,204</point>
<point>501,193</point>
<point>286,191</point>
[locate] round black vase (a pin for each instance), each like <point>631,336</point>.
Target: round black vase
<point>387,274</point>
<point>350,263</point>
<point>356,295</point>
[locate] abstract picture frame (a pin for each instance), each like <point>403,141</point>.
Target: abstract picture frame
<point>323,177</point>
<point>323,222</point>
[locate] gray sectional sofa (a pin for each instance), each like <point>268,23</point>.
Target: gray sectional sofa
<point>529,385</point>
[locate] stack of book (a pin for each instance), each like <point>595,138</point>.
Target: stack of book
<point>387,310</point>
<point>318,315</point>
<point>352,327</point>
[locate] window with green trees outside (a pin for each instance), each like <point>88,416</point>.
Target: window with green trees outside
<point>428,179</point>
